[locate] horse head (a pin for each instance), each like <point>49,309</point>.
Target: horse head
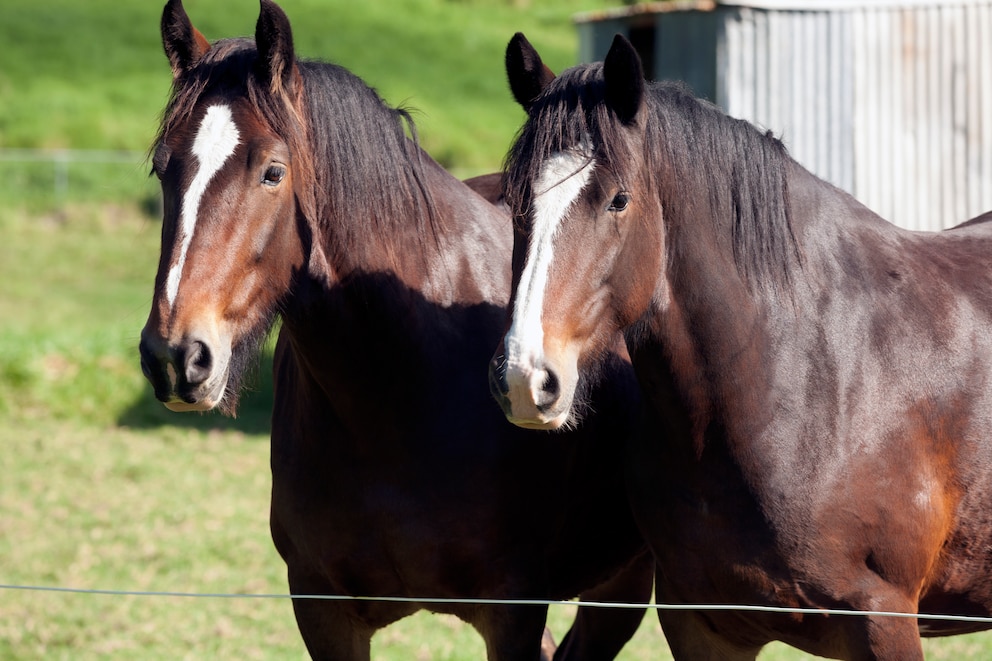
<point>228,159</point>
<point>583,212</point>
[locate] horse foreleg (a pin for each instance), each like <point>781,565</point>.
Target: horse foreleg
<point>329,633</point>
<point>690,638</point>
<point>514,633</point>
<point>600,633</point>
<point>883,638</point>
<point>893,638</point>
<point>331,630</point>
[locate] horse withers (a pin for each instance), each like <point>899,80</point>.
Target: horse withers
<point>816,379</point>
<point>292,191</point>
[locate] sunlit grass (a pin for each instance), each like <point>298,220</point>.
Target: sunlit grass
<point>92,75</point>
<point>100,486</point>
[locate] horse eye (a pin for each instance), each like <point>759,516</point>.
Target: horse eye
<point>619,202</point>
<point>160,160</point>
<point>273,175</point>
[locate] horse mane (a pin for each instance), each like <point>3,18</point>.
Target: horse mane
<point>695,154</point>
<point>351,155</point>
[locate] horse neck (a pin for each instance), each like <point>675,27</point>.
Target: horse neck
<point>728,341</point>
<point>446,243</point>
<point>718,322</point>
<point>471,246</point>
<point>713,337</point>
<point>387,328</point>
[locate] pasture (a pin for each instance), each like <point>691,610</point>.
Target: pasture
<point>100,487</point>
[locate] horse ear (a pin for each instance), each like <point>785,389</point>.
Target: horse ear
<point>624,78</point>
<point>274,38</point>
<point>527,73</point>
<point>184,45</point>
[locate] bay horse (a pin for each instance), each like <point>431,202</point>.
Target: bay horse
<point>818,426</point>
<point>292,190</point>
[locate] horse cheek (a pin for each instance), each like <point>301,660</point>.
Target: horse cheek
<point>636,289</point>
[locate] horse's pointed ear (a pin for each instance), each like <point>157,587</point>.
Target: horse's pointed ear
<point>184,45</point>
<point>624,78</point>
<point>528,75</point>
<point>274,38</point>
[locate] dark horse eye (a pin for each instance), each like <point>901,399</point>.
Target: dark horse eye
<point>619,202</point>
<point>273,175</point>
<point>160,160</point>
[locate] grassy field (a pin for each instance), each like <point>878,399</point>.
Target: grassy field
<point>100,486</point>
<point>91,75</point>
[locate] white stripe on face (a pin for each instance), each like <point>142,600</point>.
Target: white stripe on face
<point>214,144</point>
<point>562,179</point>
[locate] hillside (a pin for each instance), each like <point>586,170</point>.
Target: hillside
<point>92,75</point>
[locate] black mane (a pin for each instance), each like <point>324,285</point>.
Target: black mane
<point>702,162</point>
<point>353,161</point>
<point>370,170</point>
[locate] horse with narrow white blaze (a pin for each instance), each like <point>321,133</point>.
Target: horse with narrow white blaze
<point>559,184</point>
<point>292,190</point>
<point>817,432</point>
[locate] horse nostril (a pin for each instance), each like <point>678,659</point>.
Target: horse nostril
<point>145,353</point>
<point>155,368</point>
<point>550,387</point>
<point>198,363</point>
<point>549,392</point>
<point>497,377</point>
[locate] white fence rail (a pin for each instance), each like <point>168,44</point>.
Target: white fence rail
<point>62,159</point>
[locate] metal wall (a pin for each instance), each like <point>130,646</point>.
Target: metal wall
<point>890,101</point>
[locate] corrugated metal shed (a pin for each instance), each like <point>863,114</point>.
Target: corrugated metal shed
<point>890,100</point>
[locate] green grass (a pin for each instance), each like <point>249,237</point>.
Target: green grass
<point>92,75</point>
<point>100,486</point>
<point>175,510</point>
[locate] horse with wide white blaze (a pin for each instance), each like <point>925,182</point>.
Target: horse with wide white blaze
<point>818,431</point>
<point>293,191</point>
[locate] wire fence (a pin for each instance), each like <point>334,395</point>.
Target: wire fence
<point>54,177</point>
<point>975,619</point>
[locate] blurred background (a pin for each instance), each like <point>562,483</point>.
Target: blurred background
<point>100,486</point>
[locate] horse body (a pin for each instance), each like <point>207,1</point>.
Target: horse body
<point>843,461</point>
<point>816,379</point>
<point>393,473</point>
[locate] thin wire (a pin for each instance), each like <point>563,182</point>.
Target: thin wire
<point>504,602</point>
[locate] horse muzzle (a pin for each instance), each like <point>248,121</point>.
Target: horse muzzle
<point>189,375</point>
<point>531,392</point>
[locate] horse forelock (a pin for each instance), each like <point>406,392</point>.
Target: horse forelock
<point>352,160</point>
<point>228,70</point>
<point>696,158</point>
<point>568,118</point>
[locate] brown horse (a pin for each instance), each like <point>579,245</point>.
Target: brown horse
<point>292,190</point>
<point>819,427</point>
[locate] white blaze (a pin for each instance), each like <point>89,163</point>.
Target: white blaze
<point>214,144</point>
<point>562,179</point>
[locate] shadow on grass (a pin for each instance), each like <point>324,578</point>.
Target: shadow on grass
<point>254,410</point>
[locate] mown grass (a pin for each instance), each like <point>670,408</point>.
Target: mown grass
<point>100,486</point>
